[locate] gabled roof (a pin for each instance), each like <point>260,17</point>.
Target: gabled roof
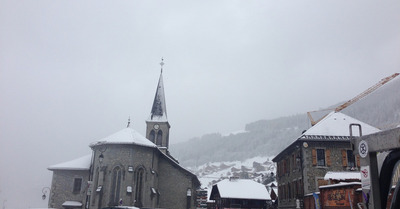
<point>334,127</point>
<point>159,108</point>
<point>337,124</point>
<point>240,189</point>
<point>125,136</point>
<point>82,163</point>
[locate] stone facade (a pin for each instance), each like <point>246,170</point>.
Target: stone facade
<point>177,187</point>
<point>299,174</point>
<point>62,188</point>
<point>128,159</point>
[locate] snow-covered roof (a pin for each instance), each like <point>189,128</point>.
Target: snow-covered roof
<point>340,184</point>
<point>337,124</point>
<point>334,126</point>
<point>72,204</point>
<point>82,163</point>
<point>125,136</point>
<point>241,189</point>
<point>342,175</point>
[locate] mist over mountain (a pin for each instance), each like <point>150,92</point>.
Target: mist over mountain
<point>380,108</point>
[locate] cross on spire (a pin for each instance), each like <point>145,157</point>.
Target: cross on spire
<point>162,63</point>
<point>129,122</point>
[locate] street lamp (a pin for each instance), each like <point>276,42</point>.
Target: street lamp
<point>101,158</point>
<point>44,191</point>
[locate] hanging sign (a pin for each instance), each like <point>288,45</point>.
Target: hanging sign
<point>363,149</point>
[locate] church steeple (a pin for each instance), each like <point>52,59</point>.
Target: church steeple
<point>159,109</point>
<point>157,124</point>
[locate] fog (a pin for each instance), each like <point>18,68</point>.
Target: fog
<point>72,72</point>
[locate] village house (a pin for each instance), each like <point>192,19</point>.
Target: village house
<point>302,166</point>
<point>127,169</point>
<point>240,193</point>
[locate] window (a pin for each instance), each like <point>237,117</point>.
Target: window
<point>139,186</point>
<point>350,159</point>
<point>320,157</point>
<point>115,186</point>
<point>77,185</point>
<point>152,136</point>
<point>159,138</point>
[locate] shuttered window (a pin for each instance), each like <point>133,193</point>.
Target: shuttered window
<point>314,156</point>
<point>350,159</point>
<point>344,158</point>
<point>328,157</point>
<point>320,157</point>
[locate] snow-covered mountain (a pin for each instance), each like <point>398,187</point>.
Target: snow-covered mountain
<point>260,169</point>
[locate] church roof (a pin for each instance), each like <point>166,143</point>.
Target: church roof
<point>82,163</point>
<point>159,109</point>
<point>337,124</point>
<point>125,136</point>
<point>241,189</point>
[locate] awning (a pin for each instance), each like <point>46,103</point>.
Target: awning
<point>72,204</point>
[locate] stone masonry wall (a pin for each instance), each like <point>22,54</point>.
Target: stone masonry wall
<point>312,173</point>
<point>62,187</point>
<point>129,159</point>
<point>173,184</point>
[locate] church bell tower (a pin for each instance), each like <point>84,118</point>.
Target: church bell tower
<point>157,130</point>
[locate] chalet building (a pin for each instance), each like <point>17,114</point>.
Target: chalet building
<point>127,169</point>
<point>240,193</point>
<point>301,167</point>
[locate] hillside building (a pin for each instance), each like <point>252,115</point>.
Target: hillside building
<point>302,166</point>
<point>127,169</point>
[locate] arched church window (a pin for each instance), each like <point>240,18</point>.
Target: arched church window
<point>159,138</point>
<point>152,136</point>
<point>139,187</point>
<point>115,186</point>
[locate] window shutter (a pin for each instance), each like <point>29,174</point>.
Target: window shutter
<point>328,157</point>
<point>344,158</point>
<point>314,157</point>
<point>358,160</point>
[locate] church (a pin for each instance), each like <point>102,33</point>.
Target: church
<point>127,169</point>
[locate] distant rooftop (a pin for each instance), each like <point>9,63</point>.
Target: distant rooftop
<point>241,189</point>
<point>82,163</point>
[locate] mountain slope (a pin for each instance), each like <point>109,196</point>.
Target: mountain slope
<point>268,137</point>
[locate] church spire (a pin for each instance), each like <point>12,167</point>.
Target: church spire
<point>159,110</point>
<point>157,130</point>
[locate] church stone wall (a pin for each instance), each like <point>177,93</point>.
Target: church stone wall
<point>129,159</point>
<point>63,185</point>
<point>174,183</point>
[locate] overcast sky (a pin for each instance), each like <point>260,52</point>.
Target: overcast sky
<point>72,72</point>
